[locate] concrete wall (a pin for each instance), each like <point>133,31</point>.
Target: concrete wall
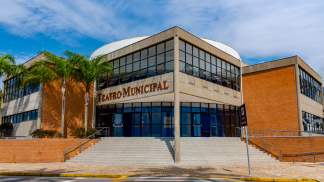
<point>207,90</point>
<point>23,104</point>
<point>309,105</point>
<point>24,128</point>
<point>168,77</point>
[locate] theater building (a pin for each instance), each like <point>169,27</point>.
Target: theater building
<point>174,84</point>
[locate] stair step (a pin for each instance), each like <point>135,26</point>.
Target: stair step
<point>160,151</point>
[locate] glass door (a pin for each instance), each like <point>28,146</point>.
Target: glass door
<point>196,124</point>
<point>118,125</point>
<point>136,124</point>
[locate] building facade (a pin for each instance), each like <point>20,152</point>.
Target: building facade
<point>174,84</point>
<point>284,94</point>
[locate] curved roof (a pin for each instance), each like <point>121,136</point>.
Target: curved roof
<point>112,46</point>
<point>226,48</point>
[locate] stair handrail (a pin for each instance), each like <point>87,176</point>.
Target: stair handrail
<point>93,135</point>
<point>302,153</point>
<point>264,142</point>
<point>310,133</point>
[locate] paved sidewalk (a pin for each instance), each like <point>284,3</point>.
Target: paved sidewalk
<point>271,170</point>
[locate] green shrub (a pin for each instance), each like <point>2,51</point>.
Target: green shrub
<point>40,133</point>
<point>58,135</point>
<point>49,133</point>
<point>80,133</point>
<point>6,129</point>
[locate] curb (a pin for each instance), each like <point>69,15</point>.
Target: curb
<point>120,175</point>
<point>278,179</point>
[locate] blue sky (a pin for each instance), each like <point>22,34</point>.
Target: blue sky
<point>258,30</point>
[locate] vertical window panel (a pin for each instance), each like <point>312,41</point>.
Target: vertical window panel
<point>160,48</point>
<point>169,45</point>
<point>152,51</point>
<point>182,45</point>
<point>160,58</point>
<point>169,56</point>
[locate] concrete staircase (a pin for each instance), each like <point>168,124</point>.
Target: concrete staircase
<point>219,151</point>
<point>159,151</point>
<point>129,151</point>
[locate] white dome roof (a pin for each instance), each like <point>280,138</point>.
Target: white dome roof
<point>110,47</point>
<point>228,49</point>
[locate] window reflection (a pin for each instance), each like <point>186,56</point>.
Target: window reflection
<point>140,65</point>
<point>198,63</point>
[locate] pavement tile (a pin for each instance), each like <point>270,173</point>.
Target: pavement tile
<point>270,170</point>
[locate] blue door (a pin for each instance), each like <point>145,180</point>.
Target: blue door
<point>205,129</point>
<point>196,124</point>
<point>118,125</point>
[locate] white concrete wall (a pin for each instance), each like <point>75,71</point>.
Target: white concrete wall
<point>24,128</point>
<point>23,104</point>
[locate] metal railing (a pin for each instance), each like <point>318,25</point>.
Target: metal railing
<point>89,137</point>
<point>306,155</point>
<point>105,132</point>
<point>260,132</point>
<point>247,139</point>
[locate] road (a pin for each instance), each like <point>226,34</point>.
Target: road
<point>81,179</point>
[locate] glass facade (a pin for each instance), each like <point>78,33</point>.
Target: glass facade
<point>146,63</point>
<point>312,122</point>
<point>309,86</point>
<point>13,89</point>
<point>196,62</point>
<point>155,119</point>
<point>21,117</point>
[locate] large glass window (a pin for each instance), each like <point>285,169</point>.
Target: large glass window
<point>309,86</point>
<point>312,122</point>
<point>156,119</point>
<point>17,118</point>
<point>196,62</point>
<point>146,63</point>
<point>14,90</point>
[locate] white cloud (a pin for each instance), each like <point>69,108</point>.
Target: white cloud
<point>257,29</point>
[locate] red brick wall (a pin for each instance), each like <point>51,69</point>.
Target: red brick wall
<point>74,107</point>
<point>38,150</point>
<point>270,98</point>
<point>292,145</point>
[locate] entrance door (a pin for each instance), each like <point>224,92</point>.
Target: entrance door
<point>128,125</point>
<point>205,125</point>
<point>136,124</point>
<point>196,124</point>
<point>118,125</point>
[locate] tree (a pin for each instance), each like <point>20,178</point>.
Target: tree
<point>86,72</point>
<point>8,66</point>
<point>52,68</point>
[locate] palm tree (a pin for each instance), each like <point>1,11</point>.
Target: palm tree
<point>8,66</point>
<point>52,68</point>
<point>86,72</point>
